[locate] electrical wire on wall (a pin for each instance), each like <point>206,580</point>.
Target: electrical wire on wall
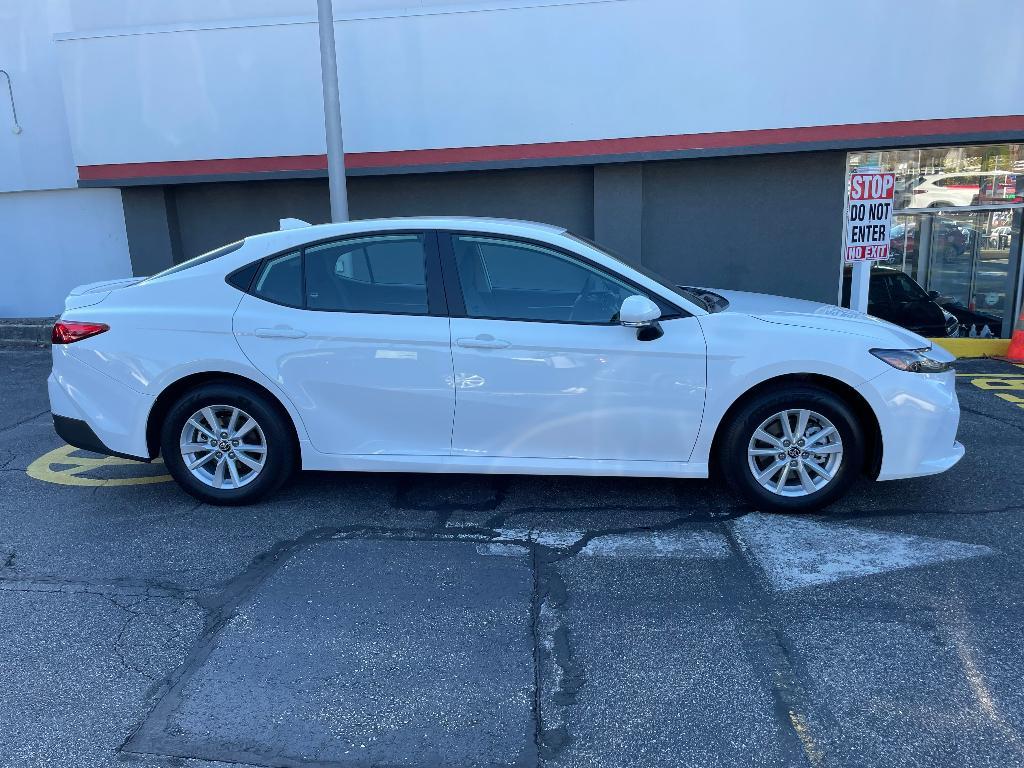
<point>14,111</point>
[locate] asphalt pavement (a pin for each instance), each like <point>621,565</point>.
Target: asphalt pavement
<point>416,620</point>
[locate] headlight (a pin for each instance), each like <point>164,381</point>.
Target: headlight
<point>912,360</point>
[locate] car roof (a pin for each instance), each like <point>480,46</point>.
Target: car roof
<point>300,234</point>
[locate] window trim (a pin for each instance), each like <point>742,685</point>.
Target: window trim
<point>457,302</point>
<point>436,299</point>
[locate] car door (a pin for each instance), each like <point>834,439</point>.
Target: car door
<point>543,369</point>
<point>355,330</point>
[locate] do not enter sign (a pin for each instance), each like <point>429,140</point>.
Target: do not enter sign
<point>869,216</point>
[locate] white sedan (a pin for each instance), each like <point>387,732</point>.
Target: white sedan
<point>483,345</point>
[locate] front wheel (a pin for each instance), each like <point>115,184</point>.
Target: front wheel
<point>792,449</point>
<point>227,444</point>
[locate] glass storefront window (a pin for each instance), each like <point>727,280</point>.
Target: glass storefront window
<point>956,231</point>
<point>950,177</point>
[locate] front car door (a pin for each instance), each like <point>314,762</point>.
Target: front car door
<point>543,369</point>
<point>355,330</point>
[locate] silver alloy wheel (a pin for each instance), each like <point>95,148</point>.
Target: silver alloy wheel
<point>223,446</point>
<point>795,453</point>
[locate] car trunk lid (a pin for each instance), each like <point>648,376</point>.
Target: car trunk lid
<point>93,293</point>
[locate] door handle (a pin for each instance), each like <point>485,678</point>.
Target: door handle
<point>484,341</point>
<point>279,333</point>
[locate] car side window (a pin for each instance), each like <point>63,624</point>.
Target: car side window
<point>904,289</point>
<point>380,273</point>
<point>280,280</point>
<point>512,280</point>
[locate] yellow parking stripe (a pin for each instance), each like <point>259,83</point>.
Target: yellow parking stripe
<point>59,466</point>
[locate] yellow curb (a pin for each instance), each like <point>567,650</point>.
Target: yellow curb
<point>72,468</point>
<point>974,347</point>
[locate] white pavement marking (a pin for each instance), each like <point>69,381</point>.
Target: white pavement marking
<point>557,539</point>
<point>691,545</point>
<point>796,553</point>
<point>502,550</point>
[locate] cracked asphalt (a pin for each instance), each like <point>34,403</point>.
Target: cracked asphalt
<point>404,620</point>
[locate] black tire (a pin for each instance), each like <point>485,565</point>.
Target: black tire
<point>732,459</point>
<point>281,451</point>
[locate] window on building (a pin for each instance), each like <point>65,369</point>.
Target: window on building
<point>975,175</point>
<point>957,231</point>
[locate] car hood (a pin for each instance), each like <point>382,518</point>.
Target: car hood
<point>825,317</point>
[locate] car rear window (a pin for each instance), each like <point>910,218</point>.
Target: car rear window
<point>216,253</point>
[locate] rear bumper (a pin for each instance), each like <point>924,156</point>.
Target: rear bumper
<point>112,416</point>
<point>918,416</point>
<point>78,433</point>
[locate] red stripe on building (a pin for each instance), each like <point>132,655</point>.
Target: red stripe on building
<point>225,166</point>
<point>558,150</point>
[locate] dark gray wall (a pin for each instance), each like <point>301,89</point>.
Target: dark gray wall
<point>769,223</point>
<point>618,208</point>
<point>563,196</point>
<point>211,215</point>
<point>151,223</point>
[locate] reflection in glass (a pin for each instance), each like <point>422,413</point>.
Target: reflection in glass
<point>964,258</point>
<point>950,177</point>
<point>957,227</point>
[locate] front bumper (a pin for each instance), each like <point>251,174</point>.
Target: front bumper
<point>918,416</point>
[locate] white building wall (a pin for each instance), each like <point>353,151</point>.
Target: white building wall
<point>224,80</point>
<point>40,156</point>
<point>56,239</point>
<point>53,236</point>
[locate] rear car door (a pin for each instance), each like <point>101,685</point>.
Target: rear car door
<point>543,369</point>
<point>355,330</point>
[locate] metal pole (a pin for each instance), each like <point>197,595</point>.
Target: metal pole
<point>332,112</point>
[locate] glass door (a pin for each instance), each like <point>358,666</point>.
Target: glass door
<point>970,268</point>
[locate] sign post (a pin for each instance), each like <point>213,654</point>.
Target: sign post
<point>869,201</point>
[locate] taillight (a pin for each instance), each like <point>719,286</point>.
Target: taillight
<point>68,331</point>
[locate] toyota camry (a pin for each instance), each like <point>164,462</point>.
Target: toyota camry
<point>485,345</point>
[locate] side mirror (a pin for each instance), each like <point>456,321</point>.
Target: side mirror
<point>933,295</point>
<point>638,312</point>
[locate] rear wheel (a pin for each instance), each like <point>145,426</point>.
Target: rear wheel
<point>227,444</point>
<point>792,449</point>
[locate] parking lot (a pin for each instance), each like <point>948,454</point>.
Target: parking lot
<point>407,620</point>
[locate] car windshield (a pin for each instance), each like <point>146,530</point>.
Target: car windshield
<point>647,272</point>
